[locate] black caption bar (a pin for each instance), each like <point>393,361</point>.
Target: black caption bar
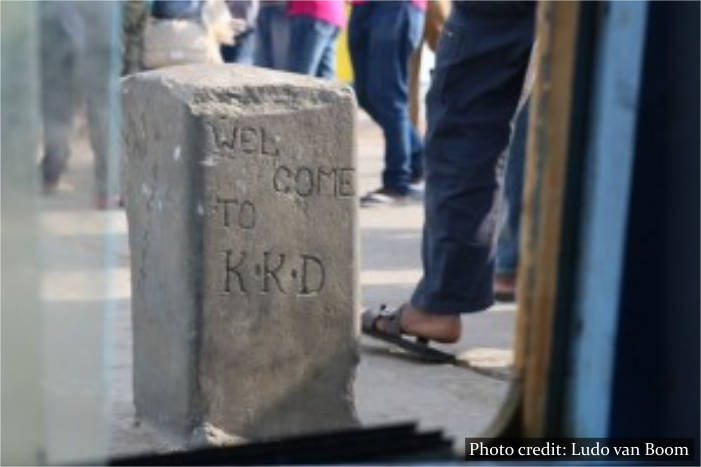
<point>579,449</point>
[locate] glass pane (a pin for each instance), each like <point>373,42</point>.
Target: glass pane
<point>70,294</point>
<point>22,321</point>
<point>61,64</point>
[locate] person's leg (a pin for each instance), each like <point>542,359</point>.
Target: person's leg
<point>358,47</point>
<point>417,164</point>
<point>395,32</point>
<point>415,84</point>
<point>263,46</point>
<point>100,82</point>
<point>98,116</point>
<point>417,159</point>
<point>308,40</point>
<point>508,246</point>
<point>479,74</point>
<point>279,36</point>
<point>327,63</point>
<point>61,44</point>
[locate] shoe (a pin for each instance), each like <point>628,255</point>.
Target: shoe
<point>383,197</point>
<point>390,197</point>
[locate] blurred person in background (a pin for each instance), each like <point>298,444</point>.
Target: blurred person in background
<point>314,29</point>
<point>245,41</point>
<point>272,35</point>
<point>381,38</point>
<point>76,66</point>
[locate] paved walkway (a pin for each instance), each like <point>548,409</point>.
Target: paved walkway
<point>86,256</point>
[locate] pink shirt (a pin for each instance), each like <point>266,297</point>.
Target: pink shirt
<point>420,4</point>
<point>330,11</point>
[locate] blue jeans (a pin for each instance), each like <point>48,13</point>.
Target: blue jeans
<point>507,248</point>
<point>312,48</point>
<point>480,68</point>
<point>272,36</point>
<point>381,39</point>
<point>242,50</point>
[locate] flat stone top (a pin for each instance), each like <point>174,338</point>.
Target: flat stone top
<point>205,87</point>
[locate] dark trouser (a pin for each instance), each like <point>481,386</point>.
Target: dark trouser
<point>312,48</point>
<point>272,36</point>
<point>381,38</point>
<point>478,79</point>
<point>507,248</point>
<point>242,50</point>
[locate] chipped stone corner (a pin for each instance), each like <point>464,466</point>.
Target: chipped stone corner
<point>208,435</point>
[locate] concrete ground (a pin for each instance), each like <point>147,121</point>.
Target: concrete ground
<point>86,296</point>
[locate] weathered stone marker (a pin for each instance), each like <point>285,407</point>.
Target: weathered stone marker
<point>242,226</point>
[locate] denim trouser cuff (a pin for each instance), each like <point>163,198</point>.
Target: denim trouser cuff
<point>438,306</point>
<point>477,82</point>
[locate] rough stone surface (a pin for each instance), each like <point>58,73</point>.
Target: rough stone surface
<point>242,217</point>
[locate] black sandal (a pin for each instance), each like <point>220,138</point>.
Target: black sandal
<point>393,334</point>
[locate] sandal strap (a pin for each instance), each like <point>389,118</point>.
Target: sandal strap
<point>391,317</point>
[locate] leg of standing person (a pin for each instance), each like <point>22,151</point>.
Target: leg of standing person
<point>62,40</point>
<point>394,32</point>
<point>263,45</point>
<point>508,246</point>
<point>436,14</point>
<point>309,39</point>
<point>417,165</point>
<point>107,194</point>
<point>417,157</point>
<point>327,62</point>
<point>358,48</point>
<point>272,36</point>
<point>479,75</point>
<point>99,69</point>
<point>279,36</point>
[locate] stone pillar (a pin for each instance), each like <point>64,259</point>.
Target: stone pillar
<point>240,194</point>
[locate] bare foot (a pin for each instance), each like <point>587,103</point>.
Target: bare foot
<point>416,322</point>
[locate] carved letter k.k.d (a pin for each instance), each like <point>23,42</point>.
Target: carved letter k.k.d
<point>268,272</point>
<point>234,270</point>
